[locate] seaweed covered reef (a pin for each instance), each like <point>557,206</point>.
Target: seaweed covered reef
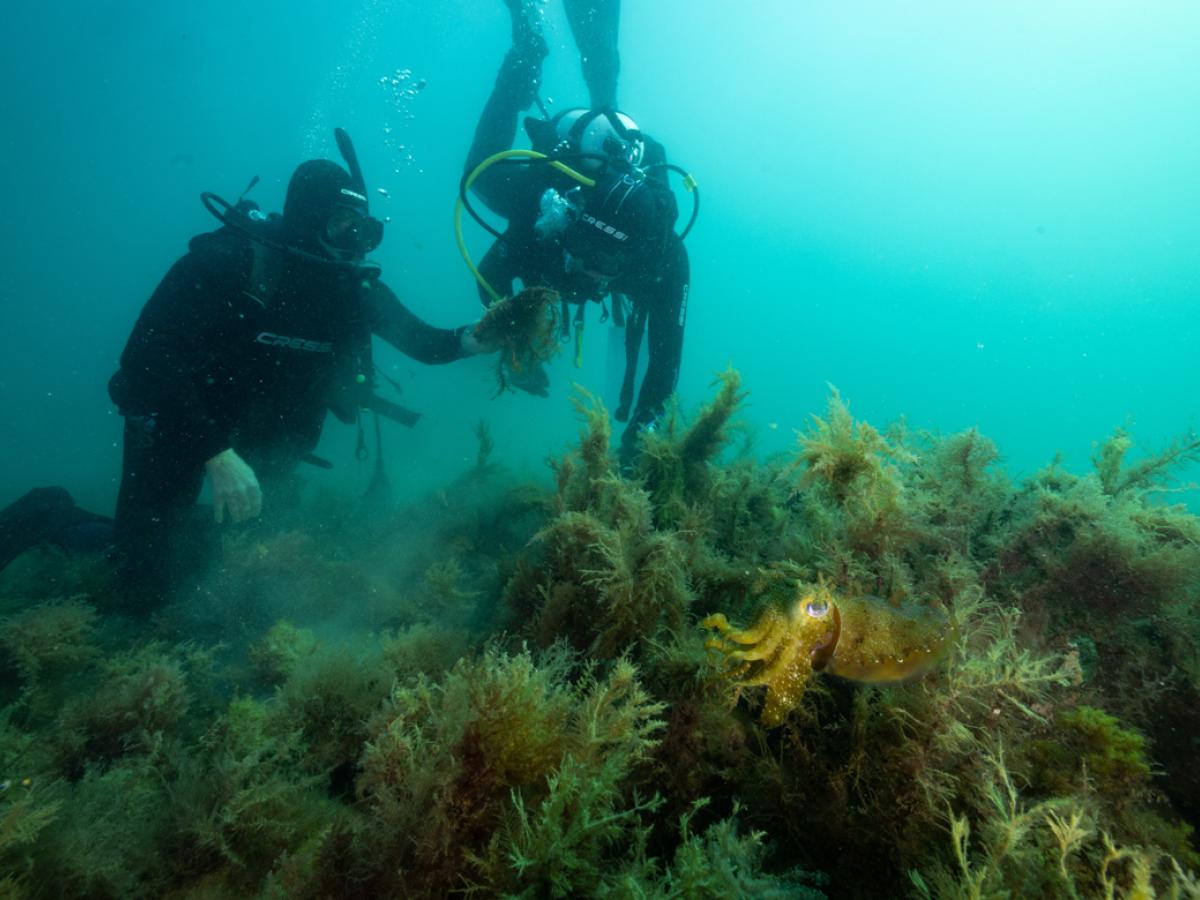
<point>871,667</point>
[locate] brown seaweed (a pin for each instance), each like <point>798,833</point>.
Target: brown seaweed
<point>523,328</point>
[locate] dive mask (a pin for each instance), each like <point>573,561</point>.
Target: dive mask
<point>351,231</point>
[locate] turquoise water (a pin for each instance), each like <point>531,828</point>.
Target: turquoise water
<point>967,214</point>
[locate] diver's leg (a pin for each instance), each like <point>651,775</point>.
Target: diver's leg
<point>527,20</point>
<point>501,188</point>
<point>158,491</point>
<point>594,23</point>
<point>635,330</point>
<point>49,515</point>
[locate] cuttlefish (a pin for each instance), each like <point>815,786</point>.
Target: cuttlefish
<point>862,639</point>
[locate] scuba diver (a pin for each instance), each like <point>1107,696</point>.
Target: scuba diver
<point>589,211</point>
<point>251,337</point>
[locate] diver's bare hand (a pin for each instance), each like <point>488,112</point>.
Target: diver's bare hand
<point>234,487</point>
<point>472,345</point>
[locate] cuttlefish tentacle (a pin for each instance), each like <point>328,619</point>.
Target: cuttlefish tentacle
<point>860,639</point>
<point>767,648</point>
<point>768,623</point>
<point>763,641</point>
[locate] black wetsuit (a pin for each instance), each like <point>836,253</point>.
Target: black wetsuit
<point>594,25</point>
<point>658,289</point>
<point>218,361</point>
<point>49,515</point>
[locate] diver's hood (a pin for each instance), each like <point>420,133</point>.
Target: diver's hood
<point>319,188</point>
<point>327,209</point>
<point>326,215</point>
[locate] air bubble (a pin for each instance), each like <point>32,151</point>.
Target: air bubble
<point>403,88</point>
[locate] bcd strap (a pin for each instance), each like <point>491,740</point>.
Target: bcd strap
<point>266,268</point>
<point>360,449</point>
<point>618,310</point>
<point>564,328</point>
<point>579,321</point>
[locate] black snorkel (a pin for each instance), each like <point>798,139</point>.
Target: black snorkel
<point>346,148</point>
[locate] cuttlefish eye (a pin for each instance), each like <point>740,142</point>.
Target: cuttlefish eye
<point>816,609</point>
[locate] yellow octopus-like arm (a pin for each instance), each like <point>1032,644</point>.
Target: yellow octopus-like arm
<point>781,650</point>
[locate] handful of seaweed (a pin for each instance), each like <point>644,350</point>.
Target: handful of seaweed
<point>523,328</point>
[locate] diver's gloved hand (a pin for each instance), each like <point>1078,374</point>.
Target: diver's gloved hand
<point>234,487</point>
<point>532,379</point>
